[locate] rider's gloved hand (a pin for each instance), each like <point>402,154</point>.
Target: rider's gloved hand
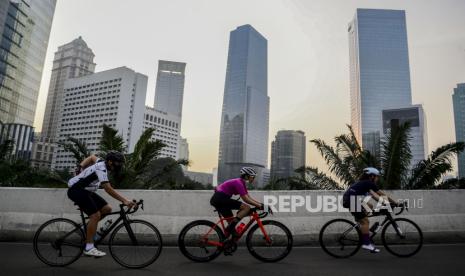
<point>261,207</point>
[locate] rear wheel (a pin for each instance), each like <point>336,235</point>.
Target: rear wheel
<point>58,242</point>
<point>340,238</point>
<point>135,245</point>
<point>402,237</point>
<point>271,244</point>
<point>199,241</point>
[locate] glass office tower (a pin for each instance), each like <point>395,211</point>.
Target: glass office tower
<point>379,71</point>
<point>245,113</point>
<point>287,153</point>
<point>458,99</point>
<point>25,29</point>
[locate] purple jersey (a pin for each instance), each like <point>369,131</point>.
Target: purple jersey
<point>234,186</point>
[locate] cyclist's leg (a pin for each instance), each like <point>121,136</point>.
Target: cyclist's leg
<point>84,199</point>
<point>102,206</point>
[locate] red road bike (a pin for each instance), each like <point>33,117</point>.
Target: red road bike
<point>268,240</point>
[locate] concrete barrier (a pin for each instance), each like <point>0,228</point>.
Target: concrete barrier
<point>440,214</point>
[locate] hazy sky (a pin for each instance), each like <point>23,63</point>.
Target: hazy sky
<point>308,58</point>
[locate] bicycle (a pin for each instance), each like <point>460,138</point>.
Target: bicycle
<point>401,237</point>
<point>132,243</point>
<point>209,239</point>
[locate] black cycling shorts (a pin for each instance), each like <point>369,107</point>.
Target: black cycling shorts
<point>89,202</point>
<point>224,204</point>
<point>357,215</point>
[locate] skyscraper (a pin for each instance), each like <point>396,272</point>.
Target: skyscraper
<point>245,112</point>
<point>458,99</point>
<point>379,71</point>
<point>416,117</point>
<point>287,153</point>
<point>113,97</point>
<point>25,29</point>
<point>169,90</point>
<point>72,60</point>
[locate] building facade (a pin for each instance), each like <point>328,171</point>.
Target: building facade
<point>169,90</point>
<point>287,153</point>
<point>245,111</point>
<point>42,151</point>
<point>201,177</point>
<point>416,117</point>
<point>183,152</point>
<point>167,128</point>
<point>114,97</point>
<point>25,29</point>
<point>379,71</point>
<point>22,136</point>
<point>72,60</point>
<point>458,99</point>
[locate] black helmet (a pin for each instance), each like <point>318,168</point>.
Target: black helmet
<point>115,156</point>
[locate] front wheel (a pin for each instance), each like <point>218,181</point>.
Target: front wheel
<point>402,237</point>
<point>58,242</point>
<point>201,241</point>
<point>136,244</point>
<point>340,238</point>
<point>271,243</point>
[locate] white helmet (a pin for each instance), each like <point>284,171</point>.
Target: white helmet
<point>371,170</point>
<point>248,171</point>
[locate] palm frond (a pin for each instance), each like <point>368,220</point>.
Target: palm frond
<point>336,165</point>
<point>110,140</point>
<point>396,156</point>
<point>320,180</point>
<point>427,172</point>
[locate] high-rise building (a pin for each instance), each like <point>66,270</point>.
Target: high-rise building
<point>114,97</point>
<point>42,151</point>
<point>22,137</point>
<point>245,112</point>
<point>25,29</point>
<point>167,128</point>
<point>416,117</point>
<point>72,60</point>
<point>458,99</point>
<point>169,90</point>
<point>287,153</point>
<point>183,152</point>
<point>379,71</point>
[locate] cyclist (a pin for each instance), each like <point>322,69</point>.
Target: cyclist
<point>222,201</point>
<point>364,187</point>
<point>82,188</point>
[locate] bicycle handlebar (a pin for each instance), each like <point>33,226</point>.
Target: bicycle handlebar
<point>135,208</point>
<point>262,214</point>
<point>402,208</point>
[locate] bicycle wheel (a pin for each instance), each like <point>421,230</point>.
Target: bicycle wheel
<point>277,247</point>
<point>340,238</point>
<point>58,242</point>
<point>136,245</point>
<point>402,237</point>
<point>197,241</point>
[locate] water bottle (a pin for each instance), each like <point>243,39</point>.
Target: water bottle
<point>240,228</point>
<point>374,227</point>
<point>105,226</point>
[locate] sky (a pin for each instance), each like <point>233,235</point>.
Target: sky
<point>308,59</point>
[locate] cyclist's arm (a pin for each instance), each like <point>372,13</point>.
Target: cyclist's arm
<point>247,199</point>
<point>380,193</point>
<point>113,193</point>
<point>88,161</point>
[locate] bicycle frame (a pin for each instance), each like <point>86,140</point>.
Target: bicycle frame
<point>254,217</point>
<point>122,217</point>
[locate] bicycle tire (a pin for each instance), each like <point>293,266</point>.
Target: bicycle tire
<point>287,241</point>
<point>325,247</point>
<point>182,243</point>
<point>391,249</point>
<point>52,241</point>
<point>153,238</point>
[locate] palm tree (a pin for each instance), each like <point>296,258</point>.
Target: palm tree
<point>77,147</point>
<point>347,160</point>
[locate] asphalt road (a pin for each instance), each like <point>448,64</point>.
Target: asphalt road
<point>19,259</point>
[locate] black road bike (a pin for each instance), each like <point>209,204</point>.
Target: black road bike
<point>342,238</point>
<point>133,243</point>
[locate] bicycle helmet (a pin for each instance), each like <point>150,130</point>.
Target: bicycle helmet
<point>115,156</point>
<point>371,171</point>
<point>248,171</point>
